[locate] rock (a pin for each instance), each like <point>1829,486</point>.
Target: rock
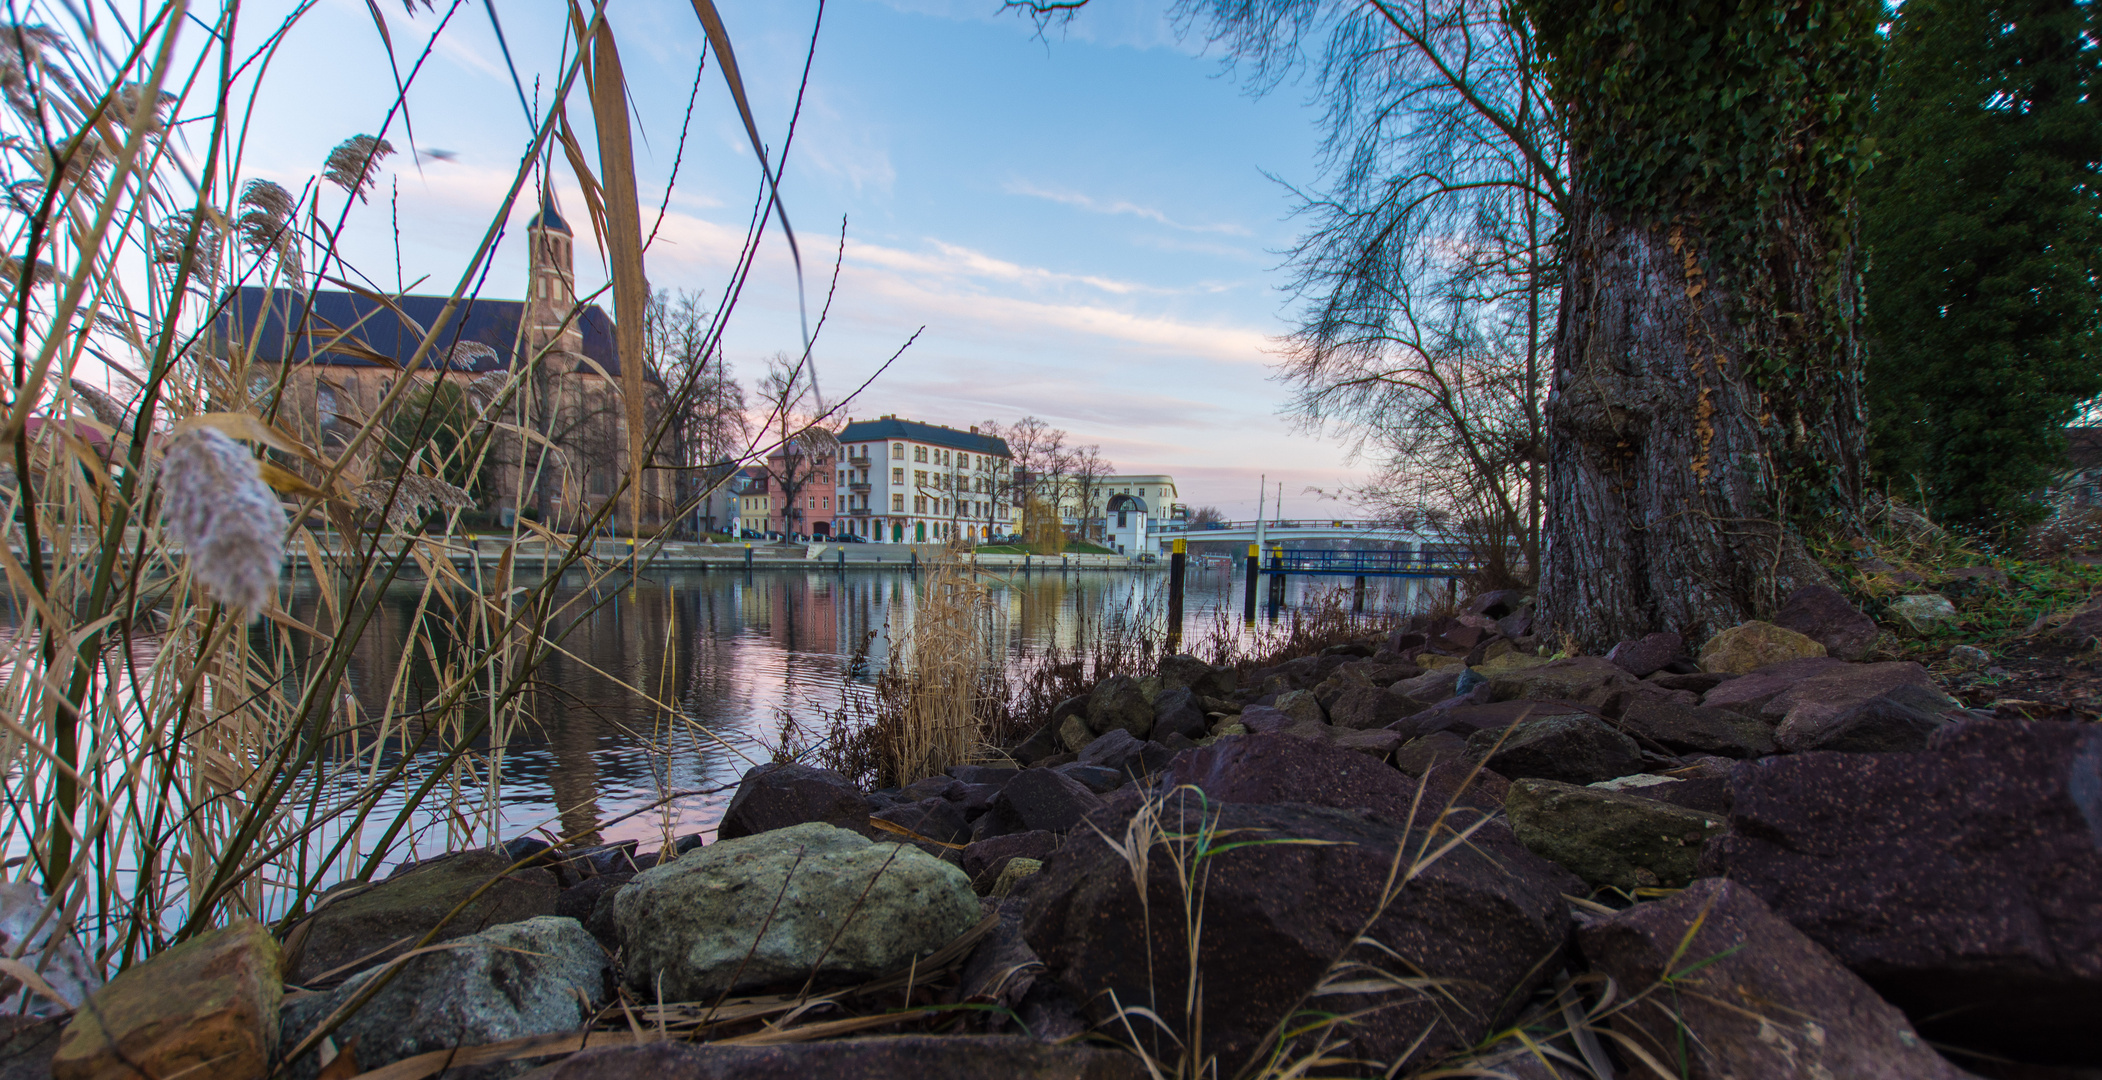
<point>889,1057</point>
<point>543,976</point>
<point>1583,679</point>
<point>1183,671</point>
<point>1122,752</point>
<point>204,1007</point>
<point>1430,687</point>
<point>1573,748</point>
<point>983,861</point>
<point>1302,706</point>
<point>2077,628</point>
<point>1276,768</point>
<point>1013,874</point>
<point>1752,997</point>
<point>26,934</point>
<point>1749,694</point>
<point>1371,707</point>
<point>1493,605</point>
<point>1416,756</point>
<point>1902,718</point>
<point>1262,718</point>
<point>1819,613</point>
<point>1970,657</point>
<point>1610,839</point>
<point>1517,624</point>
<point>1749,646</point>
<point>1691,729</point>
<point>1511,661</point>
<point>362,925</point>
<point>590,904</point>
<point>1644,656</point>
<point>1041,744</point>
<point>27,1044</point>
<point>784,905</point>
<point>1176,712</point>
<point>1708,795</point>
<point>994,775</point>
<point>1491,926</point>
<point>1923,613</point>
<point>1963,882</point>
<point>1119,702</point>
<point>1038,799</point>
<point>937,819</point>
<point>1699,682</point>
<point>1073,735</point>
<point>779,794</point>
<point>1095,778</point>
<point>1464,718</point>
<point>1377,742</point>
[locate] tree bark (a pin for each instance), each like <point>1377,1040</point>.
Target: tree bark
<point>1705,411</point>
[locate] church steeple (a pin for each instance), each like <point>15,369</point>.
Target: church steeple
<point>551,282</point>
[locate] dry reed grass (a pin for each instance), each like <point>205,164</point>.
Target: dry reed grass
<point>164,767</point>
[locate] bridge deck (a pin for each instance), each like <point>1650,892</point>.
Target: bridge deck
<point>1427,562</point>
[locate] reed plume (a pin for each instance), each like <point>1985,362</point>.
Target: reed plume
<point>354,164</point>
<point>227,520</point>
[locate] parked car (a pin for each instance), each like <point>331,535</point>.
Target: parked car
<point>849,538</point>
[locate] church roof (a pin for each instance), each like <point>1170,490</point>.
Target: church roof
<point>482,335</point>
<point>547,218</point>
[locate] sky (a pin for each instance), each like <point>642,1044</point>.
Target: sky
<point>1085,226</point>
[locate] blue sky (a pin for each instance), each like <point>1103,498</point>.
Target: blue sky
<point>1083,225</point>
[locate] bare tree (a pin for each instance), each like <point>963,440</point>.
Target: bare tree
<point>703,407</point>
<point>1087,469</point>
<point>1042,461</point>
<point>795,416</point>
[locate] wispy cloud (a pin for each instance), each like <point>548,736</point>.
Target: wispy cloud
<point>1098,206</point>
<point>953,261</point>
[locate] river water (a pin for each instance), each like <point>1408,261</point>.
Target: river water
<point>730,653</point>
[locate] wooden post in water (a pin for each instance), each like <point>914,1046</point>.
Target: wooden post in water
<point>1176,562</point>
<point>1253,566</point>
<point>1357,596</point>
<point>748,558</point>
<point>1277,577</point>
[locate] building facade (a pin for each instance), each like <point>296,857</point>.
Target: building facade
<point>346,353</point>
<point>903,481</point>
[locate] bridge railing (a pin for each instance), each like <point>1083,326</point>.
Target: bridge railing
<point>1429,559</point>
<point>1196,532</point>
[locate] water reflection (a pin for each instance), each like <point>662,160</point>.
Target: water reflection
<point>729,652</point>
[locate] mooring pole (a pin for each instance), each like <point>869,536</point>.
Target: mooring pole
<point>1248,605</point>
<point>748,558</point>
<point>1277,576</point>
<point>1176,562</point>
<point>842,558</point>
<point>1357,596</point>
<point>915,567</point>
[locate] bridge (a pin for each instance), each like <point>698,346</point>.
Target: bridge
<point>1429,561</point>
<point>1243,532</point>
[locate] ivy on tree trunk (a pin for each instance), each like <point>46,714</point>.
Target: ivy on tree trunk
<point>1706,406</point>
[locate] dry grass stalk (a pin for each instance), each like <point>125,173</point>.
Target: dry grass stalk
<point>945,658</point>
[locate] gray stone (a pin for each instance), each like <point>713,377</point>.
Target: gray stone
<point>1074,734</point>
<point>1364,707</point>
<point>543,976</point>
<point>1416,756</point>
<point>1177,712</point>
<point>1749,694</point>
<point>360,925</point>
<point>1119,701</point>
<point>1608,838</point>
<point>1430,687</point>
<point>1923,613</point>
<point>784,906</point>
<point>1259,718</point>
<point>1095,778</point>
<point>1903,718</point>
<point>1302,706</point>
<point>1970,656</point>
<point>1573,748</point>
<point>778,794</point>
<point>983,860</point>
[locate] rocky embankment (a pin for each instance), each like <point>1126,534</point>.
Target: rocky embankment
<point>1765,858</point>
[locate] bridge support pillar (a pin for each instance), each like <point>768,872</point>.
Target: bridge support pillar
<point>1249,613</point>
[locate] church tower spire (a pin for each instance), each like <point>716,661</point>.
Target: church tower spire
<point>551,283</point>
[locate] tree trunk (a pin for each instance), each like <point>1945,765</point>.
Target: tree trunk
<point>1705,414</point>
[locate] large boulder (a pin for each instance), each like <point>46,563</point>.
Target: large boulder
<point>1177,712</point>
<point>1488,927</point>
<point>1903,718</point>
<point>1963,882</point>
<point>779,794</point>
<point>1819,613</point>
<point>888,1057</point>
<point>544,976</point>
<point>1753,645</point>
<point>1610,839</point>
<point>1277,768</point>
<point>784,906</point>
<point>358,925</point>
<point>1362,707</point>
<point>1183,671</point>
<point>1747,995</point>
<point>1119,701</point>
<point>205,1007</point>
<point>1574,748</point>
<point>1691,729</point>
<point>1749,694</point>
<point>47,944</point>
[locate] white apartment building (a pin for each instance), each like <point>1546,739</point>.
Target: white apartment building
<point>905,482</point>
